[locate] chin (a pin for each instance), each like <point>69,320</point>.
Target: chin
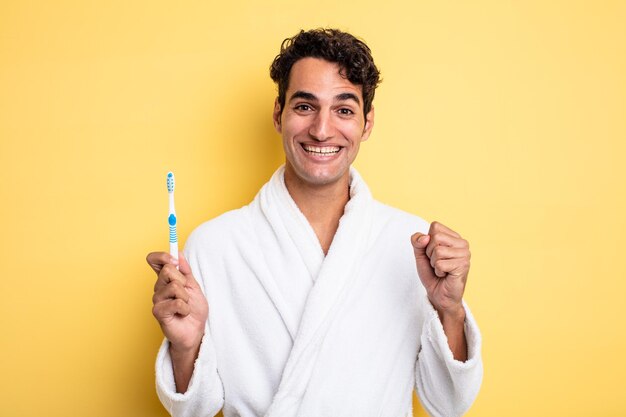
<point>322,177</point>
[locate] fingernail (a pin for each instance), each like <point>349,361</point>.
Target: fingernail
<point>175,261</point>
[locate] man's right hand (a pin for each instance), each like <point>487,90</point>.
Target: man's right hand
<point>180,307</point>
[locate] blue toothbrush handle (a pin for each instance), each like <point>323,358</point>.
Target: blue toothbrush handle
<point>173,236</point>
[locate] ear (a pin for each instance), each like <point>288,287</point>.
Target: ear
<point>369,124</point>
<point>276,116</point>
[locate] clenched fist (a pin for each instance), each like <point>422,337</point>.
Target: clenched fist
<point>442,258</point>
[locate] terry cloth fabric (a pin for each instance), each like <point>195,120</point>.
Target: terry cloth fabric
<point>292,332</point>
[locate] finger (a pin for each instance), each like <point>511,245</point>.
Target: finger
<point>439,227</point>
<point>156,260</point>
<point>444,239</point>
<point>455,267</point>
<point>168,274</point>
<point>172,290</point>
<point>446,252</point>
<point>170,308</point>
<point>186,270</point>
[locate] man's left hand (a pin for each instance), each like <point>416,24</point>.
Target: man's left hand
<point>442,258</point>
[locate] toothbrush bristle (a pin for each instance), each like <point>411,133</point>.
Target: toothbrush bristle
<point>170,182</point>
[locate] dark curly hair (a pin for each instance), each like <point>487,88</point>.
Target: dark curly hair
<point>351,54</point>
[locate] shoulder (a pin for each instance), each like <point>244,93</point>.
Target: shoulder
<point>396,219</point>
<point>391,246</point>
<point>392,229</point>
<point>220,230</point>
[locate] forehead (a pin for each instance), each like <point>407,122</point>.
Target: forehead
<point>321,78</point>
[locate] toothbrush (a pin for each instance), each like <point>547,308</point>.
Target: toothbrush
<point>171,219</point>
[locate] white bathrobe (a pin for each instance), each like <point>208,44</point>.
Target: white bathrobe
<point>292,332</point>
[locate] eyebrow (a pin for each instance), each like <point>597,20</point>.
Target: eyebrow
<point>303,95</point>
<point>311,97</point>
<point>348,96</point>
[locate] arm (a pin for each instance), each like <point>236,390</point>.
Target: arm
<point>449,372</point>
<point>183,363</point>
<point>204,396</point>
<point>445,386</point>
<point>182,311</point>
<point>454,328</point>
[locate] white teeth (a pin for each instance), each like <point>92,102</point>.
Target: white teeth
<point>325,150</point>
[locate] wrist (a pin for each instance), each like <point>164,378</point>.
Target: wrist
<point>183,363</point>
<point>182,351</point>
<point>452,316</point>
<point>453,323</point>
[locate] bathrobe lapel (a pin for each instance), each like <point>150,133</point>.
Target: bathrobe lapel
<point>291,255</point>
<point>333,276</point>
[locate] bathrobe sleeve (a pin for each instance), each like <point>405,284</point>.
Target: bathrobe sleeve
<point>204,396</point>
<point>447,387</point>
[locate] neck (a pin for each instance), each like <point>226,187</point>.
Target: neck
<point>322,205</point>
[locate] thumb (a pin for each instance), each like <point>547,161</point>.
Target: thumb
<point>422,261</point>
<point>185,269</point>
<point>183,265</point>
<point>420,241</point>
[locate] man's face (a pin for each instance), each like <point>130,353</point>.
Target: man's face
<point>322,124</point>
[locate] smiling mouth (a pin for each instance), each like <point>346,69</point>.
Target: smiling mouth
<point>321,150</point>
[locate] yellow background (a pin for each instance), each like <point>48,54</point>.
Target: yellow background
<point>503,120</point>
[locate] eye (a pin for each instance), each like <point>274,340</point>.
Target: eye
<point>303,107</point>
<point>345,111</point>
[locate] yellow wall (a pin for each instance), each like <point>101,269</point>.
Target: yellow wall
<point>504,120</point>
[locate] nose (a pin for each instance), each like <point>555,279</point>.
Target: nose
<point>321,128</point>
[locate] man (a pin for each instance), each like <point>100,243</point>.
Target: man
<point>321,301</point>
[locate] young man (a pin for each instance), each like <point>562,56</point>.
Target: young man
<point>321,300</point>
